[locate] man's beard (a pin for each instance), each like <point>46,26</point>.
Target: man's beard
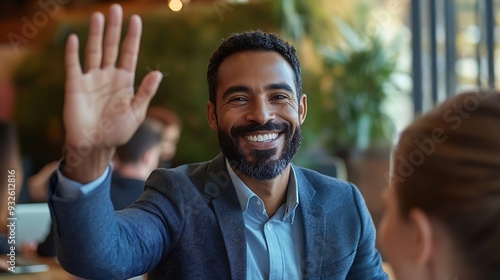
<point>263,167</point>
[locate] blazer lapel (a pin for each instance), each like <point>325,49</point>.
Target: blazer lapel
<point>314,228</point>
<point>229,215</point>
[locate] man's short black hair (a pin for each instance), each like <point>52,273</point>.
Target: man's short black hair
<point>252,41</point>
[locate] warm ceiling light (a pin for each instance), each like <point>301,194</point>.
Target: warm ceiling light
<point>175,5</point>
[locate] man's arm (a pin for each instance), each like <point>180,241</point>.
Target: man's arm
<point>101,112</point>
<point>95,242</point>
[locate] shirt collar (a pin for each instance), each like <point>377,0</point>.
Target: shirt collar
<point>244,193</point>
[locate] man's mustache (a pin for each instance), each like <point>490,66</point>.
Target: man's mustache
<point>269,126</point>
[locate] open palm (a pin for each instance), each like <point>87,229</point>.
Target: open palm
<point>100,107</point>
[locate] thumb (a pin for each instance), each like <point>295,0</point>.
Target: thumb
<point>147,90</point>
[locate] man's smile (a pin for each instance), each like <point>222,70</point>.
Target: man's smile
<point>261,137</point>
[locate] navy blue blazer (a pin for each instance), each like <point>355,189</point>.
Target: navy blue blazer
<point>188,224</point>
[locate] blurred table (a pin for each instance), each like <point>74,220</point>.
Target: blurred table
<point>55,271</point>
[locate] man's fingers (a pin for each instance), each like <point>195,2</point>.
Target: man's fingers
<point>147,90</point>
<point>130,46</point>
<point>93,51</point>
<point>112,37</point>
<point>73,68</point>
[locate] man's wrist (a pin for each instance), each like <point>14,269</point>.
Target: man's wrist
<point>85,164</point>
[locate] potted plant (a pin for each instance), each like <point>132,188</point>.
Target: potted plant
<point>362,71</point>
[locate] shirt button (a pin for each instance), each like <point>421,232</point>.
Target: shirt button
<point>258,202</point>
<point>269,226</point>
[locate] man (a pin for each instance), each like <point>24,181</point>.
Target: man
<point>136,159</point>
<point>247,214</point>
<point>171,132</point>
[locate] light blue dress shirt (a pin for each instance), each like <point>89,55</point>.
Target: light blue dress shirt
<point>275,246</point>
<point>74,189</point>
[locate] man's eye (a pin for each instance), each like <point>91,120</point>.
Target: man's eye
<point>238,99</point>
<point>280,96</point>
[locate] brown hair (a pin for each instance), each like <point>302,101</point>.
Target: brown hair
<point>165,116</point>
<point>145,138</point>
<point>447,164</point>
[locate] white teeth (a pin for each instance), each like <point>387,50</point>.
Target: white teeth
<point>262,137</point>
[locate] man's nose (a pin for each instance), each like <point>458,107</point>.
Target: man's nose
<point>261,112</point>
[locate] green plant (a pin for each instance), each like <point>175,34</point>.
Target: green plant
<point>362,70</point>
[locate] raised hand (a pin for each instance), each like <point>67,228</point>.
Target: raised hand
<point>101,110</point>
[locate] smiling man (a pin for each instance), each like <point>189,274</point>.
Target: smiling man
<point>247,214</point>
<point>257,111</point>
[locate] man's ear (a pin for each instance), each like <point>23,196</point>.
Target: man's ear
<point>302,108</point>
<point>422,239</point>
<point>211,116</point>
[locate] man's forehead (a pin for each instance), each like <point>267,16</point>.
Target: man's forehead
<point>260,65</point>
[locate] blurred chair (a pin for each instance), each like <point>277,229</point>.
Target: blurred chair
<point>331,166</point>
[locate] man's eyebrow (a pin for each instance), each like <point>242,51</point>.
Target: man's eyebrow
<point>240,88</point>
<point>234,89</point>
<point>280,86</point>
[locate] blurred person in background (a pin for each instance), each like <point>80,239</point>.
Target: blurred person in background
<point>136,159</point>
<point>171,132</point>
<point>442,218</point>
<point>38,184</point>
<point>10,186</point>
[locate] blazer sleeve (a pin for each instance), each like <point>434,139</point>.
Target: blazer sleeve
<point>367,262</point>
<point>94,242</point>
